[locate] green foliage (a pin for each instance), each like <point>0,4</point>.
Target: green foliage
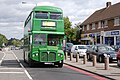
<point>3,40</point>
<point>71,33</point>
<point>67,23</point>
<point>67,27</point>
<point>15,42</point>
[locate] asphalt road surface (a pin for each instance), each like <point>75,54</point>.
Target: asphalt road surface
<point>13,68</point>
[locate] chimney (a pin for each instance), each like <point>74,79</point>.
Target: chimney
<point>108,4</point>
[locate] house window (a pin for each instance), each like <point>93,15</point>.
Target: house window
<point>106,24</point>
<point>93,26</point>
<point>116,21</point>
<point>99,25</point>
<point>83,28</point>
<point>88,27</point>
<point>102,24</point>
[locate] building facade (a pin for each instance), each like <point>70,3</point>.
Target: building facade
<point>103,26</point>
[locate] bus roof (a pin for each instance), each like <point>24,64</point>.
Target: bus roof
<point>47,8</point>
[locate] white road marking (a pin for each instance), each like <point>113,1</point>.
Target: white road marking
<point>12,72</point>
<point>26,72</point>
<point>9,68</point>
<point>2,58</point>
<point>21,65</point>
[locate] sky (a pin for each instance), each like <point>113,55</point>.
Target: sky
<point>13,13</point>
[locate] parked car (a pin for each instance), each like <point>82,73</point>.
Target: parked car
<point>17,48</point>
<point>116,47</point>
<point>101,51</point>
<point>68,47</point>
<point>118,58</point>
<point>0,49</point>
<point>89,46</point>
<point>80,49</point>
<point>12,47</point>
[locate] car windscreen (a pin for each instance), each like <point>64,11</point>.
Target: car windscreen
<point>82,47</point>
<point>69,45</point>
<point>109,48</point>
<point>105,48</point>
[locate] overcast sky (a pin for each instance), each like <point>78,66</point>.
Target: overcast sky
<point>13,13</point>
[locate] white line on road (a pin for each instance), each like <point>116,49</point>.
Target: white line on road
<point>2,58</point>
<point>9,68</point>
<point>12,72</point>
<point>26,72</point>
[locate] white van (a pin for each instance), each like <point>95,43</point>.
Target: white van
<point>80,49</point>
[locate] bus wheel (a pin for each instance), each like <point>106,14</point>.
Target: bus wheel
<point>24,56</point>
<point>30,63</point>
<point>60,64</point>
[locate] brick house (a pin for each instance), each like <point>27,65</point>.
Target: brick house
<point>103,26</point>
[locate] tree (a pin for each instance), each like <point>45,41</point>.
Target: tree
<point>3,40</point>
<point>72,34</point>
<point>15,42</point>
<point>67,28</point>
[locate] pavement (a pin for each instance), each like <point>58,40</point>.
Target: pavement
<point>113,73</point>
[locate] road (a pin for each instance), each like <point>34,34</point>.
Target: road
<point>13,68</point>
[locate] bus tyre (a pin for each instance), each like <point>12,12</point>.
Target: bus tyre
<point>30,63</point>
<point>24,56</point>
<point>60,64</point>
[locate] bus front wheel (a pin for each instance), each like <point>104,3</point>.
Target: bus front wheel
<point>30,63</point>
<point>24,56</point>
<point>60,64</point>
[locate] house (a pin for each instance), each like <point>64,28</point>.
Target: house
<point>103,26</point>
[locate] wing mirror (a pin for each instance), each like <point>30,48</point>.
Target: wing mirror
<point>96,50</point>
<point>76,49</point>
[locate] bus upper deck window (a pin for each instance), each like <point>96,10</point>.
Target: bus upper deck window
<point>41,15</point>
<point>55,16</point>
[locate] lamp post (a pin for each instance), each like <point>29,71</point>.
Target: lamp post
<point>78,32</point>
<point>28,3</point>
<point>102,37</point>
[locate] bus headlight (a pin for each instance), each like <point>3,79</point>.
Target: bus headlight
<point>36,54</point>
<point>59,54</point>
<point>33,55</point>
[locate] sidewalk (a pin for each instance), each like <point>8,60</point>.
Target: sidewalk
<point>113,73</point>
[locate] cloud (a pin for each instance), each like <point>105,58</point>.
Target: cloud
<point>13,13</point>
<point>45,4</point>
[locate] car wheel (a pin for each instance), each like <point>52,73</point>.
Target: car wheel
<point>100,59</point>
<point>88,57</point>
<point>74,56</point>
<point>118,62</point>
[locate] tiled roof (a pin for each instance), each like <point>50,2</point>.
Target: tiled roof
<point>105,13</point>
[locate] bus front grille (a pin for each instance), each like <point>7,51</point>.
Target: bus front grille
<point>48,56</point>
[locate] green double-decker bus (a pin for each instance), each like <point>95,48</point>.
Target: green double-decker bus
<point>43,36</point>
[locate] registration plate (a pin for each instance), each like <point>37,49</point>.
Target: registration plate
<point>114,58</point>
<point>48,63</point>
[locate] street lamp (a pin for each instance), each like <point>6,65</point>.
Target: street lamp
<point>78,32</point>
<point>28,3</point>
